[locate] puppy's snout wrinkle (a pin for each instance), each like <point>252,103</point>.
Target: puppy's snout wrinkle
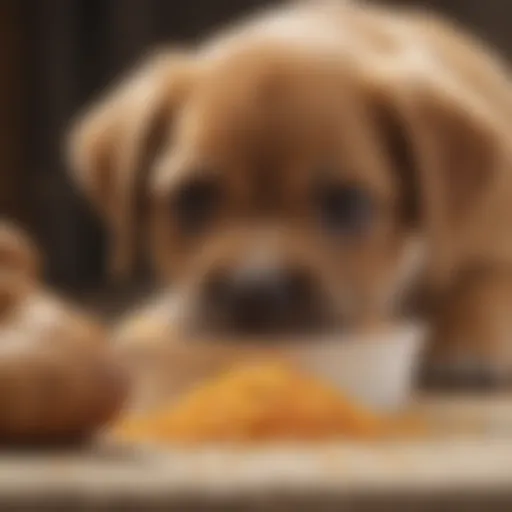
<point>255,299</point>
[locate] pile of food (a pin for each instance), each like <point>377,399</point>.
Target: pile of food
<point>265,402</point>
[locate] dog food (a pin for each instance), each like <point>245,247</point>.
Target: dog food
<point>266,402</point>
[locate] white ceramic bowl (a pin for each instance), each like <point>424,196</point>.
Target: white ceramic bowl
<point>377,368</point>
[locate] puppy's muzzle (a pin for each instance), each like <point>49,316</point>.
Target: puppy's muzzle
<point>261,299</point>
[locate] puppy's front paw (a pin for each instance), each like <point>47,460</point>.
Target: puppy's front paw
<point>471,345</point>
<point>467,361</point>
<point>468,373</point>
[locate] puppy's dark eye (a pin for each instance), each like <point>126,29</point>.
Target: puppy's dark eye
<point>195,204</point>
<point>344,210</point>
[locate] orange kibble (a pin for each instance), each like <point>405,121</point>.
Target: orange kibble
<point>263,402</point>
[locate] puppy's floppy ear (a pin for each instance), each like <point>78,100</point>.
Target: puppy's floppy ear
<point>112,146</point>
<point>451,147</point>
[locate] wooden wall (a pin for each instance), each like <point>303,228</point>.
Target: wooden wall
<point>13,200</point>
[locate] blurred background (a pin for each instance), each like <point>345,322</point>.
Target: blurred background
<point>55,55</point>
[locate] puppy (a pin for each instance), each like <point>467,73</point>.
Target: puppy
<point>315,168</point>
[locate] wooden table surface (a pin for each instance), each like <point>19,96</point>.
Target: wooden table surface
<point>468,460</point>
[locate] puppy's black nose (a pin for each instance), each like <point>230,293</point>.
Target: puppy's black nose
<point>261,298</point>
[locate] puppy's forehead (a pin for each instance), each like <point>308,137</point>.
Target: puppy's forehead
<point>266,91</point>
<point>276,112</point>
<point>289,86</point>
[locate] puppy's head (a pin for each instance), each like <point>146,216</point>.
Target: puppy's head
<point>300,170</point>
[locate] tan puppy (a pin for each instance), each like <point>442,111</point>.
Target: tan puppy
<point>315,168</point>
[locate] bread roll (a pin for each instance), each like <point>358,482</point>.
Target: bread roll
<point>59,379</point>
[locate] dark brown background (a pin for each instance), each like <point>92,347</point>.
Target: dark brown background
<point>55,54</point>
